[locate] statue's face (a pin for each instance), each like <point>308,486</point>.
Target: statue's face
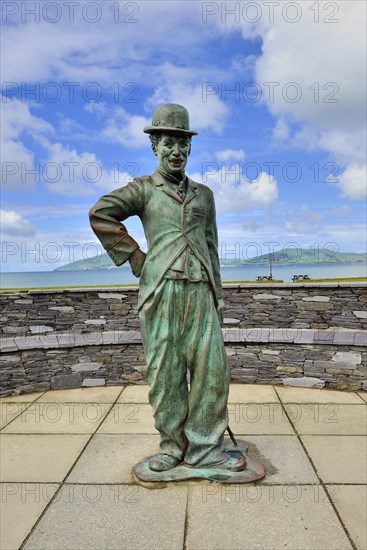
<point>172,152</point>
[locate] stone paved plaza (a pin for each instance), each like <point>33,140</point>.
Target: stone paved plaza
<point>67,483</point>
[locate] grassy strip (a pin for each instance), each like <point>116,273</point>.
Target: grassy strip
<point>341,280</point>
<point>67,287</point>
<point>276,281</point>
<point>252,282</point>
<point>25,289</point>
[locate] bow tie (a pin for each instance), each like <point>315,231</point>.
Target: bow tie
<point>181,184</point>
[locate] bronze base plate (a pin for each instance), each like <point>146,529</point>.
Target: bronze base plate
<point>253,471</point>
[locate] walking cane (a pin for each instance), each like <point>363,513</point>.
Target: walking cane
<point>231,436</point>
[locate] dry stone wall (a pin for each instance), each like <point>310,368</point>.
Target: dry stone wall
<point>284,334</point>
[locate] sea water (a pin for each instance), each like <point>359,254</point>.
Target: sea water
<point>124,276</point>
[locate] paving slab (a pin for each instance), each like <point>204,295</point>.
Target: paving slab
<point>110,458</point>
<point>338,459</point>
<point>38,458</point>
<point>328,418</point>
<point>113,517</point>
<point>82,395</point>
<point>21,505</point>
<point>134,394</point>
<point>283,457</point>
<point>129,418</point>
<point>9,411</point>
<point>251,393</point>
<point>54,418</point>
<point>351,503</point>
<point>22,398</point>
<point>363,395</point>
<point>311,395</point>
<point>232,517</point>
<point>258,418</point>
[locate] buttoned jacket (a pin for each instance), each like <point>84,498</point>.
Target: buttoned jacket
<point>170,224</point>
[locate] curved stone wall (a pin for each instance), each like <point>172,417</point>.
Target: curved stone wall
<point>298,334</point>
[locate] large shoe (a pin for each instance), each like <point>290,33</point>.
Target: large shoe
<point>232,464</point>
<point>163,462</point>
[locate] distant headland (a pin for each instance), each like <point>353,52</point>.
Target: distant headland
<point>286,256</point>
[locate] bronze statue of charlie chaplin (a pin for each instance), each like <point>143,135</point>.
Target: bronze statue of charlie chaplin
<point>180,298</point>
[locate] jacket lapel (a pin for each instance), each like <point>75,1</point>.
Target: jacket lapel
<point>191,191</point>
<point>160,182</point>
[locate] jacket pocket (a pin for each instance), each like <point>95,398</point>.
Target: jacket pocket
<point>198,211</point>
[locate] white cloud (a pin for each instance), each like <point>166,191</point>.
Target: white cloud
<point>13,225</point>
<point>353,183</point>
<point>18,123</point>
<point>304,222</point>
<point>230,154</point>
<point>65,171</point>
<point>313,75</point>
<point>209,114</point>
<point>337,97</point>
<point>125,129</point>
<point>281,130</point>
<point>114,48</point>
<point>252,225</point>
<point>233,193</point>
<point>71,173</point>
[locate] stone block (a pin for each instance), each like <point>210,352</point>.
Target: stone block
<point>344,338</point>
<point>63,309</point>
<point>33,387</point>
<point>92,382</point>
<point>85,367</point>
<point>360,338</point>
<point>64,381</point>
<point>323,337</point>
<point>15,330</point>
<point>305,382</point>
<point>289,369</point>
<point>360,314</point>
<point>340,370</point>
<point>120,309</point>
<point>349,357</point>
<point>266,296</point>
<point>269,358</point>
<point>348,384</point>
<point>304,336</point>
<point>133,376</point>
<point>40,329</point>
<point>259,317</point>
<point>13,358</point>
<point>111,296</point>
<point>316,299</point>
<point>315,306</point>
<point>320,365</point>
<point>230,321</point>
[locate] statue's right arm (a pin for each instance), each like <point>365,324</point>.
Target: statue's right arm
<point>106,217</point>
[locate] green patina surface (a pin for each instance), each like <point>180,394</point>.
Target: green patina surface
<point>180,296</point>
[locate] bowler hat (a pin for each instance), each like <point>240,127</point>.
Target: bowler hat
<point>170,118</point>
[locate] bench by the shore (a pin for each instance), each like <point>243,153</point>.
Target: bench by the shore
<point>300,278</point>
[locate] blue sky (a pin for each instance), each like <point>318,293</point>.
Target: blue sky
<point>275,89</point>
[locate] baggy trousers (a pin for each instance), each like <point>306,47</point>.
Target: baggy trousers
<point>181,330</point>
